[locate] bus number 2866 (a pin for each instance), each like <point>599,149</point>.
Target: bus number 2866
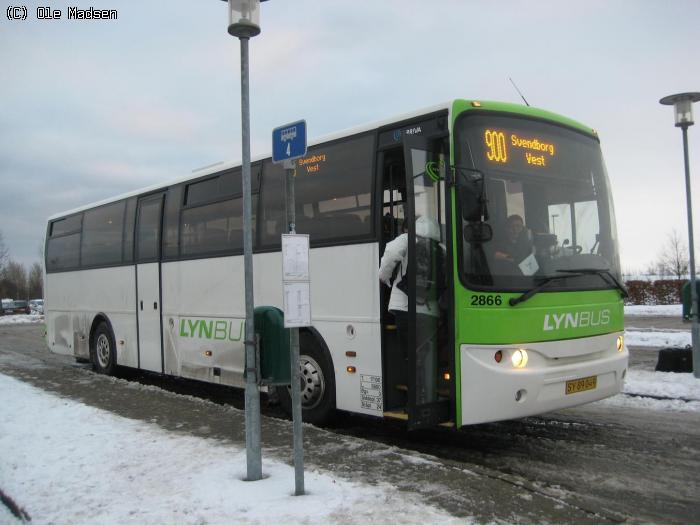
<point>486,300</point>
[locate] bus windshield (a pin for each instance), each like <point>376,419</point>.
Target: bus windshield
<point>546,197</point>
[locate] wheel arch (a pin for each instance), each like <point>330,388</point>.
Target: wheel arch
<point>317,351</point>
<point>100,318</point>
<point>321,342</point>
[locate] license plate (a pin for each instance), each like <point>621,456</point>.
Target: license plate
<point>581,385</point>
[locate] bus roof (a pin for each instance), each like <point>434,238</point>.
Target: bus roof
<point>456,106</point>
<point>527,111</point>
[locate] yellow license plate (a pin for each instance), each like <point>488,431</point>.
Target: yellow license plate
<point>581,385</point>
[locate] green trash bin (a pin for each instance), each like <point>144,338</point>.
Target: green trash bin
<point>273,337</point>
<point>687,300</point>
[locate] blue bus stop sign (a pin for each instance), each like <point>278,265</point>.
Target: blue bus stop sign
<point>289,142</point>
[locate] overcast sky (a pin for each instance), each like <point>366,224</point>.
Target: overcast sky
<point>91,109</point>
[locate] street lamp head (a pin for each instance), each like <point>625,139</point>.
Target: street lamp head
<point>683,107</point>
<point>244,18</point>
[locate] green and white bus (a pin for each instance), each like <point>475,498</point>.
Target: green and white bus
<point>154,279</point>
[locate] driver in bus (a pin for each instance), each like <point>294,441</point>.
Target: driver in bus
<point>516,244</point>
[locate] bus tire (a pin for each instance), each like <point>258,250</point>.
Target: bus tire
<point>317,382</point>
<point>102,350</point>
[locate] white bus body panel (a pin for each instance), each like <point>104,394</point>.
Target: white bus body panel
<point>489,390</point>
<point>204,312</point>
<point>73,299</point>
<point>203,309</point>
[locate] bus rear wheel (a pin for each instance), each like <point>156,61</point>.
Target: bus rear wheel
<point>317,383</point>
<point>102,351</point>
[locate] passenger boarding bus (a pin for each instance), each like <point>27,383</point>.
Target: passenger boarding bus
<point>527,310</point>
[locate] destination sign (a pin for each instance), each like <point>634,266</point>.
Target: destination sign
<point>504,147</point>
<point>495,143</point>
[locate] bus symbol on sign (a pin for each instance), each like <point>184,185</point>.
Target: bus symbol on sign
<point>289,141</point>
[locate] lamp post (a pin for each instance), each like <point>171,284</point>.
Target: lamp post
<point>244,23</point>
<point>683,108</point>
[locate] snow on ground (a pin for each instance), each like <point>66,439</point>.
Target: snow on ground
<point>21,319</point>
<point>66,463</point>
<point>657,339</point>
<point>666,391</point>
<point>670,310</point>
<point>662,384</point>
<point>681,392</point>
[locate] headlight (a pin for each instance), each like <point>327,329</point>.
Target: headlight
<point>519,358</point>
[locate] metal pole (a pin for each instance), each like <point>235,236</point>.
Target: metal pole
<point>294,357</point>
<point>695,338</point>
<point>252,393</point>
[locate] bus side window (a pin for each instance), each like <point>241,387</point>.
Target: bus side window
<point>63,246</point>
<point>103,235</point>
<point>171,222</point>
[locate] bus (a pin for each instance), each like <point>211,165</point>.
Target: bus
<point>153,279</point>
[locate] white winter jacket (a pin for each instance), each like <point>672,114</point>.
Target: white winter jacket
<point>396,252</point>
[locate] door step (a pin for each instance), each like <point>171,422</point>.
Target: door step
<point>442,392</point>
<point>403,416</point>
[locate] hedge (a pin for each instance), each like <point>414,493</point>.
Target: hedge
<point>654,292</point>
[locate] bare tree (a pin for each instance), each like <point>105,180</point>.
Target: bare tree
<point>655,269</point>
<point>35,282</point>
<point>13,283</point>
<point>673,257</point>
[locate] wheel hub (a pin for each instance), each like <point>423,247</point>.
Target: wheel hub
<point>102,351</point>
<point>311,382</point>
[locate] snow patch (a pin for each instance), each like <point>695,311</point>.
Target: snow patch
<point>657,339</point>
<point>648,403</point>
<point>7,320</point>
<point>64,462</point>
<point>661,310</point>
<point>643,388</point>
<point>662,384</point>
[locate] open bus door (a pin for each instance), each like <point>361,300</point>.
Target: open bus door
<point>428,356</point>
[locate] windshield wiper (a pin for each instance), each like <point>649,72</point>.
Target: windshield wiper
<point>545,281</point>
<point>605,274</point>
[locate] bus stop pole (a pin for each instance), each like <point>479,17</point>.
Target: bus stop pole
<point>294,351</point>
<point>252,393</point>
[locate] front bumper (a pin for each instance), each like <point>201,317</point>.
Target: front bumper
<point>492,391</point>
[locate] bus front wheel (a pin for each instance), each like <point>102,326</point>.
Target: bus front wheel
<point>317,382</point>
<point>102,352</point>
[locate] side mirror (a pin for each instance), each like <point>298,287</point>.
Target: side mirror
<point>470,186</point>
<point>478,232</point>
